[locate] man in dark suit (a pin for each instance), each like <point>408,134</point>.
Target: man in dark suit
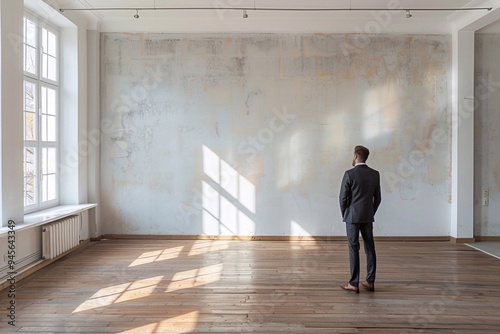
<point>359,200</point>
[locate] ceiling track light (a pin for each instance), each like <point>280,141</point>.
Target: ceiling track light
<point>245,14</point>
<point>408,14</point>
<point>62,10</point>
<point>136,14</point>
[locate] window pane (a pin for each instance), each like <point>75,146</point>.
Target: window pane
<point>44,161</point>
<point>51,102</point>
<point>29,111</point>
<point>30,32</point>
<point>43,127</point>
<point>48,128</point>
<point>51,187</point>
<point>51,160</point>
<point>30,59</point>
<point>29,126</point>
<point>29,161</point>
<point>51,128</point>
<point>48,187</point>
<point>48,108</point>
<point>44,65</point>
<point>43,100</point>
<point>49,173</point>
<point>29,176</point>
<point>48,160</point>
<point>52,45</point>
<point>29,96</point>
<point>51,70</point>
<point>48,101</point>
<point>29,191</point>
<point>45,41</point>
<point>44,188</point>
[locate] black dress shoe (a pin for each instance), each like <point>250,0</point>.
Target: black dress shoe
<point>349,287</point>
<point>368,286</point>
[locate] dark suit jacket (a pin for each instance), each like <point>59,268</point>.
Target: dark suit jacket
<point>360,194</point>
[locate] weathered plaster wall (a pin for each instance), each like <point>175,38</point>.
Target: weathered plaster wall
<point>487,135</point>
<point>250,134</point>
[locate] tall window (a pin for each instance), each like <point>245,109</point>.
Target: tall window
<point>40,111</point>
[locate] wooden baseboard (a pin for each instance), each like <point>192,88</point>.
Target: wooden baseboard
<point>461,240</point>
<point>487,238</point>
<point>413,239</point>
<point>40,265</point>
<point>222,237</point>
<point>265,238</point>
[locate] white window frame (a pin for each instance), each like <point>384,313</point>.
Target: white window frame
<point>38,143</point>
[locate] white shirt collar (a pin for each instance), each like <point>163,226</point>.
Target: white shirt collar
<point>360,164</point>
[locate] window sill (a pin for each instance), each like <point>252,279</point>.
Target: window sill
<point>48,215</point>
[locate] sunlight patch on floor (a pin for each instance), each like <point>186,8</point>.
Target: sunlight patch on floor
<point>158,255</point>
<point>205,246</point>
<point>185,323</point>
<point>195,277</point>
<point>120,293</point>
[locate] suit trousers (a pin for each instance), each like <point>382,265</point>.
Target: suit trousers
<point>366,230</point>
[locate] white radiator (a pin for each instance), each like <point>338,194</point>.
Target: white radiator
<point>60,236</point>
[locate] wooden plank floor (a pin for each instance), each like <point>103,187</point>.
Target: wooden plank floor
<point>204,286</point>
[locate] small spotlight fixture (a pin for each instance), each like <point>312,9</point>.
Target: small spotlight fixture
<point>245,15</point>
<point>408,14</point>
<point>136,14</point>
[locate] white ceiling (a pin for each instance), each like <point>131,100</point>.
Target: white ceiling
<point>227,15</point>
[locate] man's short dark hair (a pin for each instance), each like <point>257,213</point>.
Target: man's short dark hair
<point>362,153</point>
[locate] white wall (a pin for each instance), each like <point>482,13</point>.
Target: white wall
<point>178,110</point>
<point>487,135</point>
